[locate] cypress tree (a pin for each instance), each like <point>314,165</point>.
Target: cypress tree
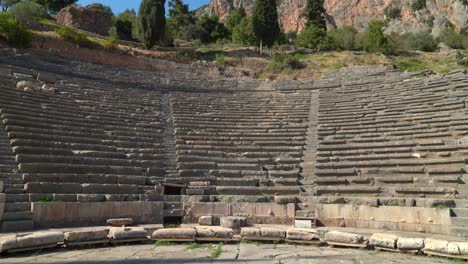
<point>315,13</point>
<point>265,22</point>
<point>151,22</point>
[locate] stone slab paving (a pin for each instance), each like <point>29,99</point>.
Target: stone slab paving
<point>245,253</point>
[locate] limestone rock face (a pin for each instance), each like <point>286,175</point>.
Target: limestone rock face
<point>93,18</point>
<point>437,15</point>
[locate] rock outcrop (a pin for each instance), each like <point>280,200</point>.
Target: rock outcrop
<point>438,14</point>
<point>93,18</point>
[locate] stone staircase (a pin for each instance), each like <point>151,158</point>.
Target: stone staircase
<point>17,215</point>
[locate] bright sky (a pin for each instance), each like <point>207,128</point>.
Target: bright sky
<point>120,5</point>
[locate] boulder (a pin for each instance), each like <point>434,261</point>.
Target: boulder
<point>118,233</point>
<point>205,220</point>
<point>23,85</point>
<point>250,232</point>
<point>343,237</point>
<point>436,245</point>
<point>301,234</point>
<point>86,235</point>
<point>213,231</point>
<point>269,232</point>
<point>120,221</point>
<point>404,243</point>
<point>234,222</point>
<point>174,233</point>
<point>383,240</point>
<point>93,18</point>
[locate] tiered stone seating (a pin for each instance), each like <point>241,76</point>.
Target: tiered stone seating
<point>99,142</point>
<point>382,136</point>
<point>244,143</point>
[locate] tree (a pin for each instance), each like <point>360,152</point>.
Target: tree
<point>315,14</point>
<point>265,22</point>
<point>374,39</point>
<point>55,5</point>
<point>313,37</point>
<point>5,4</point>
<point>213,30</point>
<point>233,19</point>
<point>179,16</point>
<point>243,33</point>
<point>126,25</point>
<point>151,22</point>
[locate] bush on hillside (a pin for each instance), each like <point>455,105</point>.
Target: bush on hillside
<point>343,38</point>
<point>451,38</point>
<point>243,33</point>
<point>313,38</point>
<point>212,29</point>
<point>374,39</point>
<point>282,61</point>
<point>392,12</point>
<point>418,5</point>
<point>77,37</point>
<point>422,41</point>
<point>27,11</point>
<point>14,32</point>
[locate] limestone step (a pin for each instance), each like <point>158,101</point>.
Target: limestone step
<point>19,206</point>
<point>17,226</point>
<point>18,215</point>
<point>459,231</point>
<point>460,221</point>
<point>305,214</point>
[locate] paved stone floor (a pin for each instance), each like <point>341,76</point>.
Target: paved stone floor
<point>245,253</point>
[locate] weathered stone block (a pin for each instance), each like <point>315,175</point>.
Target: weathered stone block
<point>120,221</point>
<point>273,232</point>
<point>214,231</point>
<point>234,222</point>
<point>118,233</point>
<point>250,232</point>
<point>302,234</point>
<point>174,233</point>
<point>39,239</point>
<point>86,235</point>
<point>436,245</point>
<point>343,237</point>
<point>7,242</point>
<point>383,240</point>
<point>206,220</point>
<point>404,243</point>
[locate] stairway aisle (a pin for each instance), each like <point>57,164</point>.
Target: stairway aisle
<point>305,208</point>
<point>17,215</point>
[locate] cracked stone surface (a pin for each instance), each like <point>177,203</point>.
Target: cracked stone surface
<point>245,253</point>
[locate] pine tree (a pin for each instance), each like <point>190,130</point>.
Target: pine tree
<point>179,16</point>
<point>55,5</point>
<point>265,22</point>
<point>315,14</point>
<point>151,22</point>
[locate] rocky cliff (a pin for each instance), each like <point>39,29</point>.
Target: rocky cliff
<point>438,14</point>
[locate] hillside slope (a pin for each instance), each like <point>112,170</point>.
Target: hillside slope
<point>438,14</point>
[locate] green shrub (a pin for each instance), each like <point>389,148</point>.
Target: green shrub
<point>343,38</point>
<point>313,38</point>
<point>451,38</point>
<point>75,36</point>
<point>418,5</point>
<point>411,65</point>
<point>212,29</point>
<point>243,33</point>
<point>27,11</point>
<point>219,58</point>
<point>111,43</point>
<point>374,39</point>
<point>14,32</point>
<point>282,61</point>
<point>422,41</point>
<point>392,12</point>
